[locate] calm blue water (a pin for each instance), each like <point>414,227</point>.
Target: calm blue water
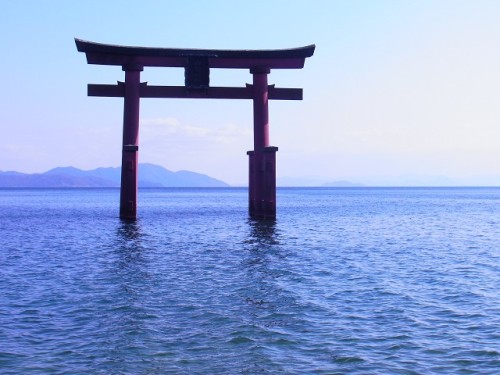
<point>346,281</point>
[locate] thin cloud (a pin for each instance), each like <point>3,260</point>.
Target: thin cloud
<point>161,127</point>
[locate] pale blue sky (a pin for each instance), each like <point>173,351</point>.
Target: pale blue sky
<point>397,90</point>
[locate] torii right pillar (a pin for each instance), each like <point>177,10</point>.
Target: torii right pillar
<point>262,160</point>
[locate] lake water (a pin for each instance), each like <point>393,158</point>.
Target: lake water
<point>345,281</point>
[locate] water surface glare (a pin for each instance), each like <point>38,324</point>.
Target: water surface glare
<point>345,281</point>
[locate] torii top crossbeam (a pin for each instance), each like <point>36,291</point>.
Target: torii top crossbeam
<point>108,54</point>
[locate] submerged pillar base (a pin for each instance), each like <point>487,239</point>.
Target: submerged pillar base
<point>262,183</point>
<point>128,191</point>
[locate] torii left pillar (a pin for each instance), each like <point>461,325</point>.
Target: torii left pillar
<point>130,150</point>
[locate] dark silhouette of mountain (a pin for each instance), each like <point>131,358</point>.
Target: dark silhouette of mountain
<point>150,175</point>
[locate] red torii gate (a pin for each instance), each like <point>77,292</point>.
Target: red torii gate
<point>197,64</point>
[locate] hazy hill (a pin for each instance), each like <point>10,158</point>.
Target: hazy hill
<point>313,182</point>
<point>150,175</point>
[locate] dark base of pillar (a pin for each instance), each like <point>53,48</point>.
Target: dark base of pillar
<point>128,213</point>
<point>128,189</point>
<point>262,183</point>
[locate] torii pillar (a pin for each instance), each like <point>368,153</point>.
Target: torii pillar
<point>262,160</point>
<point>130,145</point>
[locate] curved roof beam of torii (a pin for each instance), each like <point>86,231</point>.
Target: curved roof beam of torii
<point>108,54</point>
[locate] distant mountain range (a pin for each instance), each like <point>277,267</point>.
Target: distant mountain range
<point>150,175</point>
<point>314,182</point>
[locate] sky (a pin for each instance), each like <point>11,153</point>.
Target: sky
<point>398,92</point>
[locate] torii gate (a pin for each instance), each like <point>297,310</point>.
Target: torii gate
<point>197,64</point>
